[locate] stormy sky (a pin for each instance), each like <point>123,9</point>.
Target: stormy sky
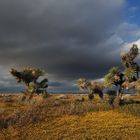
<point>69,39</point>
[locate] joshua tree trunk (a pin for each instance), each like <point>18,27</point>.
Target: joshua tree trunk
<point>119,90</point>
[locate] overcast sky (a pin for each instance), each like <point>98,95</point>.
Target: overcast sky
<point>67,38</point>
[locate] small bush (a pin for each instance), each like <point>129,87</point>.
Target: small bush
<point>80,99</point>
<point>111,97</point>
<point>45,95</point>
<point>90,96</point>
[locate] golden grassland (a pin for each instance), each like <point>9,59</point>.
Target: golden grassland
<point>70,117</point>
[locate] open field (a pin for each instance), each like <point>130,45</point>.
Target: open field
<point>68,117</point>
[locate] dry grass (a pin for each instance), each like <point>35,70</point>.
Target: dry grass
<point>12,103</point>
<point>68,117</point>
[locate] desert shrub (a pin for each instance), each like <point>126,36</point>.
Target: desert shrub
<point>45,95</point>
<point>80,99</point>
<point>90,96</point>
<point>111,97</point>
<point>111,100</point>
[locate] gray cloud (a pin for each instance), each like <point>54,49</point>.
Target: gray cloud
<point>69,39</point>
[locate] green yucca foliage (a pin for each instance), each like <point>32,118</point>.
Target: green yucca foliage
<point>110,77</point>
<point>129,73</point>
<point>27,75</point>
<point>36,72</point>
<point>114,70</point>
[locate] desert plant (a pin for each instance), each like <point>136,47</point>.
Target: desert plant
<point>92,87</point>
<point>90,96</point>
<point>29,76</point>
<point>114,77</point>
<point>128,59</point>
<point>130,74</point>
<point>111,97</point>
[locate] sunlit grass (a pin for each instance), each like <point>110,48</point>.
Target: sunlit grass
<point>70,117</point>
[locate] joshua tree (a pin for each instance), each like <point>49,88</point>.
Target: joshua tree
<point>128,61</point>
<point>114,77</point>
<point>92,87</point>
<point>130,74</point>
<point>29,76</point>
<point>132,69</point>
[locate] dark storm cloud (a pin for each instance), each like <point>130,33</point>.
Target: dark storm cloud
<point>68,38</point>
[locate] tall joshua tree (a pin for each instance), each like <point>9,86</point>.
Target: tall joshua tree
<point>129,75</point>
<point>29,76</point>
